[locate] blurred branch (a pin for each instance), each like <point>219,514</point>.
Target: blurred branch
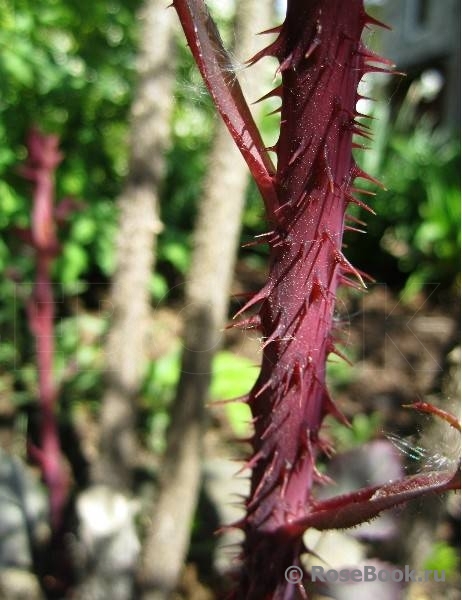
<point>43,159</point>
<point>139,225</point>
<point>112,553</point>
<point>216,237</point>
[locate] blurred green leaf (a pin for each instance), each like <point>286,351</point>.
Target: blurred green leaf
<point>175,251</point>
<point>158,286</point>
<point>339,372</point>
<point>15,65</point>
<point>443,557</point>
<point>233,376</point>
<point>363,429</point>
<point>72,263</point>
<point>418,217</point>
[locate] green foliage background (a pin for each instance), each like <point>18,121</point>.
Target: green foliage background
<point>69,71</point>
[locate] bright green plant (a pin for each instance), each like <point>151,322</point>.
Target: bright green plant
<point>418,222</point>
<point>66,70</point>
<point>443,557</point>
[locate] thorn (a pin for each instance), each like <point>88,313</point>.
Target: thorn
<point>352,199</point>
<point>272,337</point>
<point>276,29</point>
<point>250,463</point>
<point>360,146</point>
<point>239,400</point>
<point>343,261</point>
<point>240,497</point>
<point>365,275</point>
<point>322,478</point>
<point>358,172</point>
<point>268,51</point>
<point>358,130</point>
<point>350,283</point>
<point>301,198</point>
<point>356,190</point>
<point>254,501</point>
<point>332,349</point>
<point>326,447</point>
<point>369,55</point>
<point>283,206</point>
<point>349,268</point>
<point>296,154</point>
<point>239,524</point>
<point>328,170</point>
<point>354,219</point>
<point>273,148</point>
<point>317,291</point>
<point>314,44</point>
<point>286,472</point>
<point>364,116</point>
<point>373,69</point>
<point>264,387</point>
<point>286,63</point>
<point>350,228</point>
<point>269,340</point>
<point>434,410</point>
<point>253,322</point>
<point>274,93</point>
<point>252,243</point>
<point>261,295</point>
<point>245,295</point>
<point>268,431</point>
<point>274,112</point>
<point>368,20</point>
<point>362,97</point>
<point>260,239</point>
<point>360,124</point>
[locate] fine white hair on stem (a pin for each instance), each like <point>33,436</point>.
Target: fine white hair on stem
<point>195,88</point>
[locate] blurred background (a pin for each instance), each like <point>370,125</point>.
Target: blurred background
<point>155,230</point>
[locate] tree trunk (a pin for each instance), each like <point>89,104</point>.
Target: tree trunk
<point>139,225</point>
<point>108,547</point>
<point>216,238</point>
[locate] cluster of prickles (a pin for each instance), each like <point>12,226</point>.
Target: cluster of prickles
<point>322,60</point>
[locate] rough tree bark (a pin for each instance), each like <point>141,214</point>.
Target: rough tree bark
<point>139,225</point>
<point>216,238</point>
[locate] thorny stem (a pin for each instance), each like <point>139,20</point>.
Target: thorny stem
<point>40,167</point>
<point>322,61</point>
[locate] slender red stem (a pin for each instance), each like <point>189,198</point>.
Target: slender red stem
<point>40,167</point>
